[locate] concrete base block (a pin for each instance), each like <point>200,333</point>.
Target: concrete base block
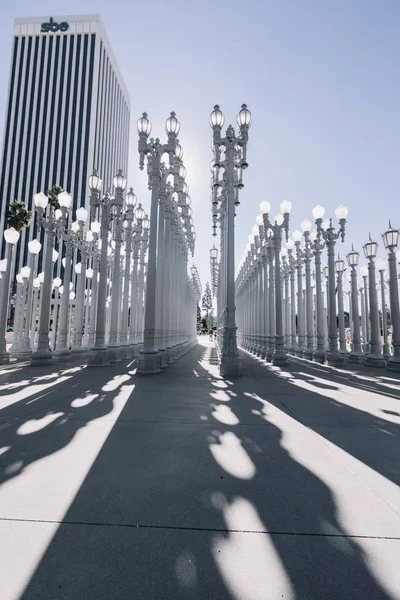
<point>230,366</point>
<point>98,356</point>
<point>149,363</point>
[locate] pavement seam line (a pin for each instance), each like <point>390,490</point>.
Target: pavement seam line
<point>210,529</point>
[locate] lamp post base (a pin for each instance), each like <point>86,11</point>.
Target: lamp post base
<point>319,356</point>
<point>163,357</point>
<point>230,365</point>
<point>149,363</point>
<point>78,352</point>
<point>22,355</point>
<point>125,351</point>
<point>4,358</point>
<point>114,354</point>
<point>334,359</point>
<point>308,353</point>
<point>357,357</point>
<point>61,355</point>
<point>279,358</point>
<point>299,352</point>
<point>375,360</point>
<point>393,364</point>
<point>386,351</point>
<point>98,356</point>
<point>41,357</point>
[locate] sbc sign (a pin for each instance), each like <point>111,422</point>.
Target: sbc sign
<point>53,26</point>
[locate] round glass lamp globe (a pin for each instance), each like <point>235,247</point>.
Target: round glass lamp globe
<point>40,200</point>
<point>81,214</point>
<point>296,236</point>
<point>25,272</point>
<point>95,227</point>
<point>265,207</point>
<point>285,207</point>
<point>34,246</point>
<point>64,200</point>
<point>318,212</point>
<point>11,236</point>
<point>143,125</point>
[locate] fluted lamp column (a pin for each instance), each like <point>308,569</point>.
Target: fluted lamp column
<point>390,240</point>
<point>11,237</point>
<point>381,266</point>
<point>356,355</point>
<point>375,357</point>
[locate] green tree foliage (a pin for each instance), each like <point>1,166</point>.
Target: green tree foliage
<point>18,215</point>
<point>206,301</point>
<point>52,195</point>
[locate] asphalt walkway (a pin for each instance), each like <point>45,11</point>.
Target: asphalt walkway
<point>283,484</point>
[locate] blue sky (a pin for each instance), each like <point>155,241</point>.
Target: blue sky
<point>321,79</point>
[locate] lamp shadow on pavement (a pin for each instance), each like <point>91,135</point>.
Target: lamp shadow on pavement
<point>211,489</point>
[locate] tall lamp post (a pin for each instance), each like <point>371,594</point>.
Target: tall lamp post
<point>98,355</point>
<point>318,245</point>
<point>235,160</point>
<point>52,224</point>
<point>390,240</point>
<point>330,236</point>
<point>11,237</point>
<point>149,359</point>
<point>366,308</point>
<point>281,221</point>
<point>296,235</point>
<point>375,357</point>
<point>308,253</point>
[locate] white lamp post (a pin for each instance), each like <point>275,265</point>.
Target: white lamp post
<point>281,222</point>
<point>356,354</point>
<point>11,237</point>
<point>330,236</point>
<point>149,359</point>
<point>296,235</point>
<point>339,268</point>
<point>375,357</point>
<point>318,246</point>
<point>364,295</point>
<point>54,222</point>
<point>233,164</point>
<point>307,253</point>
<point>130,202</point>
<point>390,239</point>
<point>381,266</point>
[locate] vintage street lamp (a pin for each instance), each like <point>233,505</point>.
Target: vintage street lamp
<point>390,239</point>
<point>374,358</point>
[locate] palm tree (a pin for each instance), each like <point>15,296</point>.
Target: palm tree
<point>18,215</point>
<point>52,195</point>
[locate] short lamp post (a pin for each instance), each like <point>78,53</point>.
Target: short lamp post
<point>390,239</point>
<point>365,304</point>
<point>11,237</point>
<point>381,266</point>
<point>356,355</point>
<point>339,268</point>
<point>34,247</point>
<point>375,357</point>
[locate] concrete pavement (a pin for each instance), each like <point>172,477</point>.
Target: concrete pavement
<point>281,484</point>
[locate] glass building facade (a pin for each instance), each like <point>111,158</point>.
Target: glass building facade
<point>67,114</point>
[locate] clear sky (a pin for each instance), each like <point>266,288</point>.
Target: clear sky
<point>321,78</point>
